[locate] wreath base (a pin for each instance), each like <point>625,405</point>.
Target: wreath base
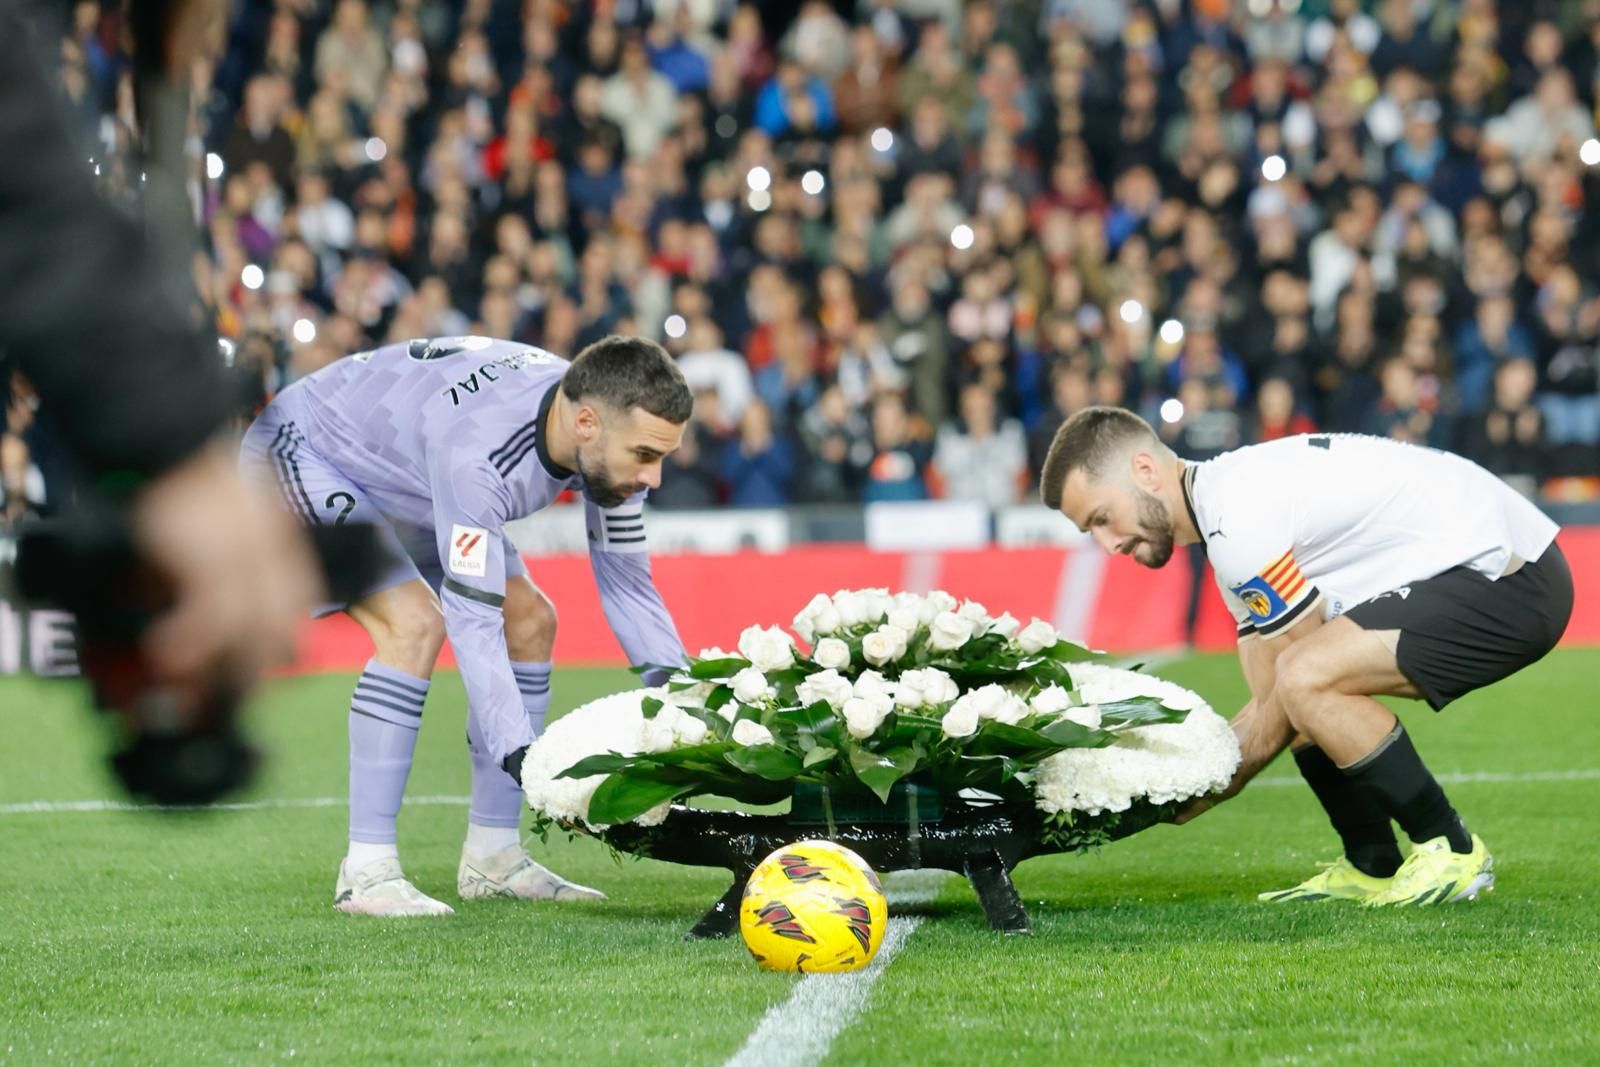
<point>982,843</point>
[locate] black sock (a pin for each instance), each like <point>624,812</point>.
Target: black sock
<point>1393,775</point>
<point>1361,824</point>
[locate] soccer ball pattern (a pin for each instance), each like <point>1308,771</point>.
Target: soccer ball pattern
<point>813,906</point>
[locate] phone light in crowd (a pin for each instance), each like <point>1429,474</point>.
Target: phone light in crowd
<point>305,331</point>
<point>961,237</point>
<point>1172,331</point>
<point>813,182</point>
<point>759,179</point>
<point>376,149</point>
<point>675,327</point>
<point>1171,409</point>
<point>214,167</point>
<point>760,200</point>
<point>1273,168</point>
<point>1131,311</point>
<point>882,139</point>
<point>1589,152</point>
<point>252,277</point>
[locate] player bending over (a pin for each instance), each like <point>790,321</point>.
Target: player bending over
<point>1355,567</point>
<point>438,443</point>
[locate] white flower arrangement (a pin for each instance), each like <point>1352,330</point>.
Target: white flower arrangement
<point>893,686</point>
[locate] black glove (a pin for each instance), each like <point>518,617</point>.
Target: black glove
<point>513,764</point>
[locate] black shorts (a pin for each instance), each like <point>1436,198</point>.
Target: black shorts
<point>1460,631</point>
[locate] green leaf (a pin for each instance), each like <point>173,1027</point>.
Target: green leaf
<point>710,753</point>
<point>816,721</point>
<point>605,763</point>
<point>879,771</point>
<point>1064,651</point>
<point>998,738</point>
<point>772,762</point>
<point>650,705</point>
<point>719,698</point>
<point>1140,711</point>
<point>623,797</point>
<point>712,669</point>
<point>1065,733</point>
<point>820,754</point>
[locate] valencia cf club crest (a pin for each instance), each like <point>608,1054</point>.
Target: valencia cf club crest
<point>778,916</point>
<point>800,869</point>
<point>1260,599</point>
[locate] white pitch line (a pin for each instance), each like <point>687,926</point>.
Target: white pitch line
<point>799,1031</point>
<point>68,807</point>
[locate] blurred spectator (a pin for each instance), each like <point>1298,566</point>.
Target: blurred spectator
<point>1491,338</point>
<point>900,454</point>
<point>691,474</point>
<point>1276,414</point>
<point>1508,438</point>
<point>640,101</point>
<point>838,448</point>
<point>353,51</point>
<point>757,463</point>
<point>982,456</point>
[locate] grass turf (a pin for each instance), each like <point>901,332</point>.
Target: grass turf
<point>133,937</point>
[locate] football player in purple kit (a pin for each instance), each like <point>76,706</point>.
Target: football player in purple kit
<point>438,443</point>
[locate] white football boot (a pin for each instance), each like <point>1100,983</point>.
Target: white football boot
<point>380,888</point>
<point>511,872</point>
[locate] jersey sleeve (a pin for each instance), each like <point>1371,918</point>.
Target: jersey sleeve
<point>1260,581</point>
<point>471,504</point>
<point>620,557</point>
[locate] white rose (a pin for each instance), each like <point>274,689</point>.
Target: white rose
<point>937,687</point>
<point>1036,636</point>
<point>750,732</point>
<point>1050,700</point>
<point>862,716</point>
<point>906,602</point>
<point>802,625</point>
<point>900,637</point>
<point>870,684</point>
<point>884,644</point>
<point>767,650</point>
<point>878,603</point>
<point>975,611</point>
<point>961,720</point>
<point>655,735</point>
<point>827,686</point>
<point>1006,626</point>
<point>827,621</point>
<point>690,730</point>
<point>832,653</point>
<point>750,686</point>
<point>904,618</point>
<point>851,606</point>
<point>729,710</point>
<point>908,691</point>
<point>1012,710</point>
<point>1085,716</point>
<point>714,653</point>
<point>989,700</point>
<point>934,603</point>
<point>949,631</point>
<point>805,622</point>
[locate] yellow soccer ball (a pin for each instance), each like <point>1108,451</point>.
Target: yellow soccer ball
<point>813,906</point>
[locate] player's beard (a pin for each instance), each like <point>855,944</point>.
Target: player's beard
<point>1154,546</point>
<point>598,483</point>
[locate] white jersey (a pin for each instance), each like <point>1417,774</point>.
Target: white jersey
<point>1337,519</point>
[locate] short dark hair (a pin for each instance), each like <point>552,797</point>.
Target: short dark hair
<point>628,373</point>
<point>1089,440</point>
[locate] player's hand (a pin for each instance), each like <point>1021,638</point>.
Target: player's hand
<point>1196,808</point>
<point>242,575</point>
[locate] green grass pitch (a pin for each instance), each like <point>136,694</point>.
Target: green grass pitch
<point>131,937</point>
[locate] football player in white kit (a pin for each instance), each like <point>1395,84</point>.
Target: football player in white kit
<point>1355,567</point>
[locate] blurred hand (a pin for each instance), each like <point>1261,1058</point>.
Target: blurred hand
<point>242,574</point>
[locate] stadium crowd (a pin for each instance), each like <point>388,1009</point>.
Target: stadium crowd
<point>893,245</point>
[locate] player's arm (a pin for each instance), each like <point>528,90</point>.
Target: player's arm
<point>1273,606</point>
<point>470,506</point>
<point>621,560</point>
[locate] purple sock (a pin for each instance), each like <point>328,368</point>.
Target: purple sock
<point>496,797</point>
<point>385,715</point>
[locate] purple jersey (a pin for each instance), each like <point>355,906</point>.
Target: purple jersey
<point>446,438</point>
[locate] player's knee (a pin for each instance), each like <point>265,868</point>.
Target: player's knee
<point>414,636</point>
<point>530,627</point>
<point>1299,679</point>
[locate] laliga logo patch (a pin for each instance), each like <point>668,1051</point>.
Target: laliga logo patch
<point>1259,598</point>
<point>469,551</point>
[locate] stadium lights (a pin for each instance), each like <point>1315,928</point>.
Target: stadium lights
<point>376,149</point>
<point>961,237</point>
<point>214,167</point>
<point>813,182</point>
<point>759,179</point>
<point>252,277</point>
<point>305,331</point>
<point>675,327</point>
<point>1171,409</point>
<point>1131,311</point>
<point>1172,331</point>
<point>882,139</point>
<point>1273,168</point>
<point>1589,152</point>
<point>760,200</point>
